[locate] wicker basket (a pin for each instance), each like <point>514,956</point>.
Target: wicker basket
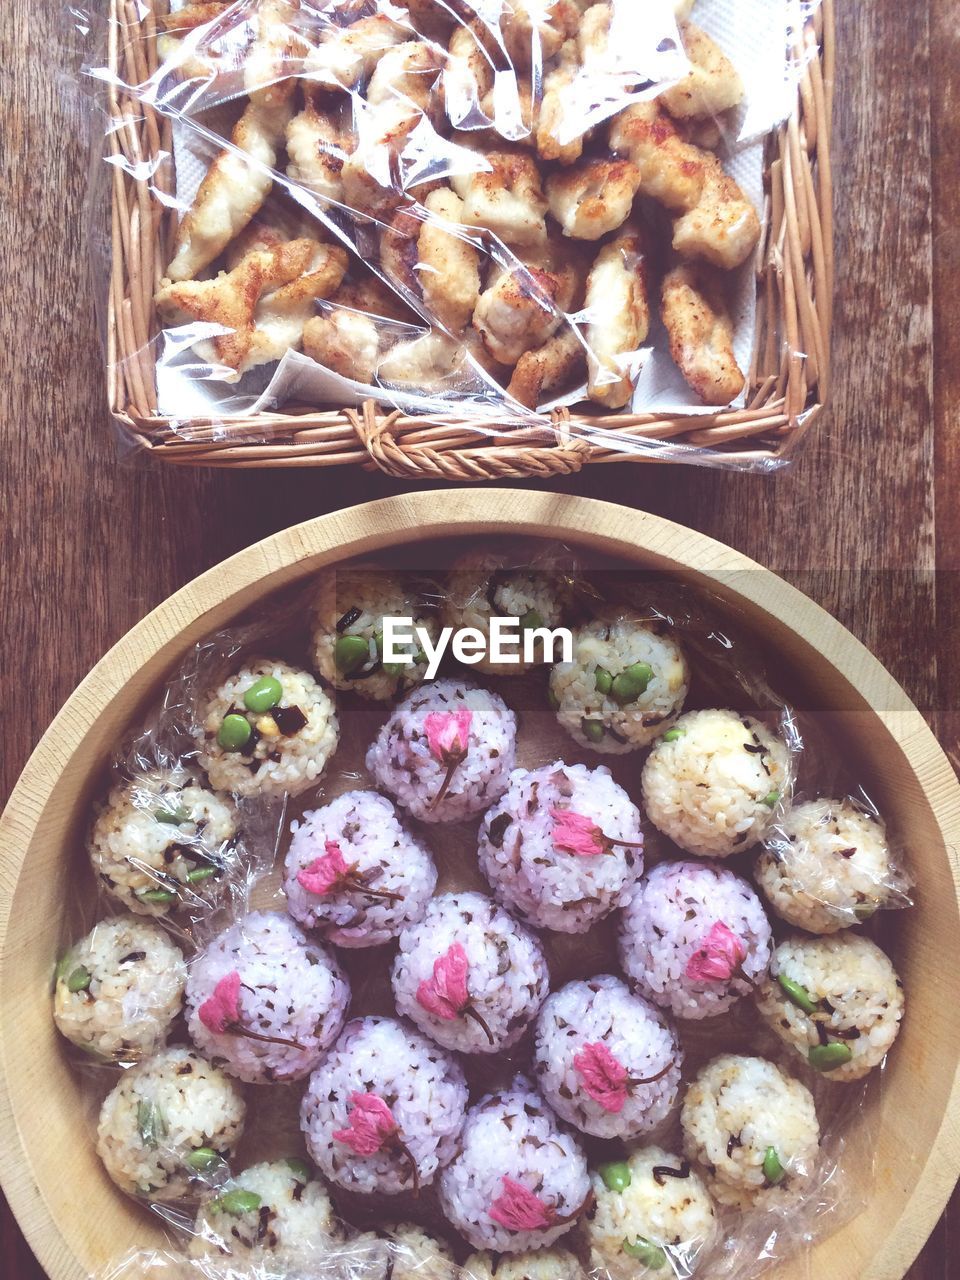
<point>789,372</point>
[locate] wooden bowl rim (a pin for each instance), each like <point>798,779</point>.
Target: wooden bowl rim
<point>414,517</point>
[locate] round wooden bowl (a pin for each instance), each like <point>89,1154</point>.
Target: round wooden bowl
<point>72,1216</point>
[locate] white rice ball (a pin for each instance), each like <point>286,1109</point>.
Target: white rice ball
<point>162,841</point>
<point>403,1251</point>
<point>694,938</point>
<point>269,1215</point>
<point>519,1181</point>
<point>752,1129</point>
<point>289,743</point>
<point>383,1111</point>
<point>469,975</point>
<point>263,1001</point>
<point>351,606</point>
<point>482,586</point>
<point>625,686</point>
<point>163,1112</point>
<point>375,881</point>
<point>826,865</point>
<point>446,752</point>
<point>605,1060</point>
<point>712,784</point>
<point>563,846</point>
<point>653,1216</point>
<point>119,989</point>
<point>541,1264</point>
<point>837,1001</point>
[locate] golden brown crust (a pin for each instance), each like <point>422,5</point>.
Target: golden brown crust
<point>697,321</point>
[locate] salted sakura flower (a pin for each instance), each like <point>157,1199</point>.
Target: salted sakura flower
<point>324,872</point>
<point>371,1125</point>
<point>445,995</point>
<point>448,734</point>
<point>575,833</point>
<point>718,957</point>
<point>518,1209</point>
<point>604,1079</point>
<point>222,1010</point>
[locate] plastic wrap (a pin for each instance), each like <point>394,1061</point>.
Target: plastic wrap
<point>200,1113</point>
<point>482,212</point>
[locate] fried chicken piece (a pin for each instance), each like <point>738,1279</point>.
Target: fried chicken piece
<point>427,363</point>
<point>533,31</point>
<point>316,150</point>
<point>551,123</point>
<point>408,71</point>
<point>508,199</point>
<point>521,309</point>
<point>449,265</point>
<point>671,170</point>
<point>370,294</point>
<point>468,74</point>
<point>556,364</point>
<point>344,341</point>
<point>232,191</point>
<point>399,251</point>
<point>713,84</point>
<point>232,298</point>
<point>202,63</point>
<point>593,198</point>
<point>281,315</point>
<point>619,316</point>
<point>268,65</point>
<point>697,321</point>
<point>723,228</point>
<point>347,55</point>
<point>511,109</point>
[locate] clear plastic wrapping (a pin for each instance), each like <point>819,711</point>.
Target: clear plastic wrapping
<point>481,212</point>
<point>202,1116</point>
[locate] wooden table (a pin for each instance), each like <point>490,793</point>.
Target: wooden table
<point>867,522</point>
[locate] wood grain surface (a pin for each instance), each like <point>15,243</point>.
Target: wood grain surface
<point>867,521</point>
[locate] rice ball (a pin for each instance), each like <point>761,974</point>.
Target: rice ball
<point>541,1264</point>
<point>481,586</point>
<point>562,846</point>
<point>164,1121</point>
<point>837,1001</point>
<point>625,686</point>
<point>269,1215</point>
<point>267,730</point>
<point>469,975</point>
<point>826,865</point>
<point>263,1001</point>
<point>347,631</point>
<point>519,1181</point>
<point>605,1060</point>
<point>753,1130</point>
<point>694,939</point>
<point>652,1215</point>
<point>446,752</point>
<point>712,783</point>
<point>119,989</point>
<point>162,841</point>
<point>353,871</point>
<point>403,1251</point>
<point>383,1111</point>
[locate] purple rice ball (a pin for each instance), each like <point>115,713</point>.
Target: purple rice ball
<point>263,1001</point>
<point>354,873</point>
<point>605,1059</point>
<point>694,938</point>
<point>446,752</point>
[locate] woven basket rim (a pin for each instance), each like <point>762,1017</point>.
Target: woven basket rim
<point>788,380</point>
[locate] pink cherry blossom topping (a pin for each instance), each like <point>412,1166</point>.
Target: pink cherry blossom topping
<point>323,873</point>
<point>576,833</point>
<point>518,1209</point>
<point>604,1079</point>
<point>718,957</point>
<point>222,1010</point>
<point>445,994</point>
<point>448,734</point>
<point>371,1125</point>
